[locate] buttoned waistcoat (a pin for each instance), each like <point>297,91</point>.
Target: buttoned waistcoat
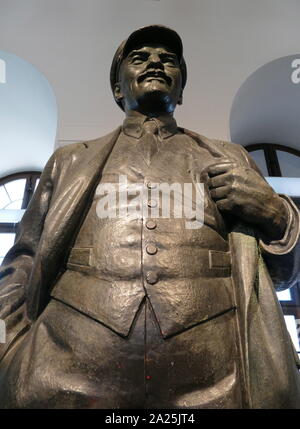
<point>115,262</point>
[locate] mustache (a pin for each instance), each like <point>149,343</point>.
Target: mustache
<point>154,73</point>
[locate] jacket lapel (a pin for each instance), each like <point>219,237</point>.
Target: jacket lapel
<point>245,258</point>
<point>215,150</point>
<point>70,204</point>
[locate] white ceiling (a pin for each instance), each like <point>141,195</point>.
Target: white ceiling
<point>72,42</point>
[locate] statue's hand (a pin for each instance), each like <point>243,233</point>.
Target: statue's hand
<point>243,192</point>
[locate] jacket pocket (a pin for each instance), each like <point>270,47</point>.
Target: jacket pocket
<point>80,256</point>
<point>218,259</point>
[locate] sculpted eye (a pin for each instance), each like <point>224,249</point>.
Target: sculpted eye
<point>138,59</point>
<point>169,60</point>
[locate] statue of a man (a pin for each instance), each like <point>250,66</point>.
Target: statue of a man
<point>142,311</point>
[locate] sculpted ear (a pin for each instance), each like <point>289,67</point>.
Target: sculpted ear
<point>118,93</point>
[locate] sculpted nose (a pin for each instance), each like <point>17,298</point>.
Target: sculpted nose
<point>155,62</point>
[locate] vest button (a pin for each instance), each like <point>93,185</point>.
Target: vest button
<point>151,277</point>
<point>151,249</point>
<point>151,185</point>
<point>152,203</point>
<point>151,224</point>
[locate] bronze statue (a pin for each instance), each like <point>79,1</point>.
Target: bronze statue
<point>139,311</point>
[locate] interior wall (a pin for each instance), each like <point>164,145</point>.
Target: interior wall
<point>28,116</point>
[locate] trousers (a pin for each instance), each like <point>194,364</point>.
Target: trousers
<point>68,360</point>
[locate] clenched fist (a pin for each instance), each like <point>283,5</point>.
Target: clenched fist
<point>243,192</point>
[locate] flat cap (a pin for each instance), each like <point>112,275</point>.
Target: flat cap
<point>149,34</point>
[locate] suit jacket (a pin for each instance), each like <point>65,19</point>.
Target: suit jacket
<point>51,223</point>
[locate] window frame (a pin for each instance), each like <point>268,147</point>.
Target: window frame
<point>31,179</point>
<point>271,157</point>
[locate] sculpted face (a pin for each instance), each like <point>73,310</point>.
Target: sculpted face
<point>150,80</point>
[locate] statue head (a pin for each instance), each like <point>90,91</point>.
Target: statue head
<point>148,72</point>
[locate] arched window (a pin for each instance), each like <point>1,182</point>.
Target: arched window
<point>276,160</point>
<point>16,191</point>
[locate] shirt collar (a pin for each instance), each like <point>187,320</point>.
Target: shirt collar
<point>133,125</point>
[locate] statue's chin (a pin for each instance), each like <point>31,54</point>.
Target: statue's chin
<point>155,101</point>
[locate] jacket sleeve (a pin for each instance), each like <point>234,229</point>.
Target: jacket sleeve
<point>17,265</point>
<point>282,257</point>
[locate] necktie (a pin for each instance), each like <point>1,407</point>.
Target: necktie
<point>148,142</point>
